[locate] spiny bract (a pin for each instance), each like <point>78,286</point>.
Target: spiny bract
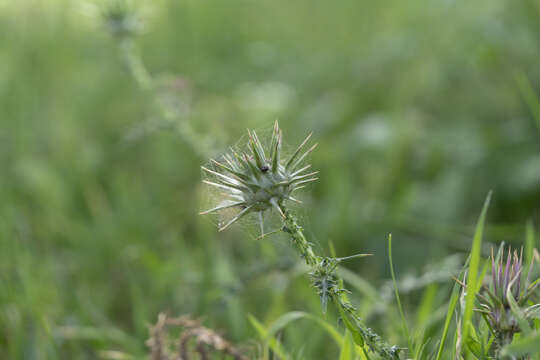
<point>258,179</point>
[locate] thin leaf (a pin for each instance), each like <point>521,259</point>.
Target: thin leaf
<point>423,315</point>
<point>347,350</point>
<point>472,280</point>
<point>276,347</point>
<point>530,97</point>
<point>292,316</point>
<point>475,348</point>
<point>451,307</point>
<point>404,325</point>
<point>529,245</point>
<point>360,284</point>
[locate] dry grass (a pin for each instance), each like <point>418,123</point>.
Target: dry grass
<point>194,341</point>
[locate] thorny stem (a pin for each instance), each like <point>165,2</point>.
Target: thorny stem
<point>145,81</point>
<point>298,238</point>
<point>336,293</point>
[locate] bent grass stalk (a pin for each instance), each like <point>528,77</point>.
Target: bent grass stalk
<point>473,271</point>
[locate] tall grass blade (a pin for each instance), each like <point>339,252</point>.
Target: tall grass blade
<point>474,265</point>
<point>400,308</point>
<point>454,297</point>
<point>270,341</point>
<point>424,313</point>
<point>289,317</point>
<point>347,350</point>
<point>529,96</point>
<point>530,244</point>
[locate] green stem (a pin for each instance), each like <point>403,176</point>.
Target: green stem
<point>336,291</point>
<point>145,81</point>
<point>299,240</point>
<point>135,65</point>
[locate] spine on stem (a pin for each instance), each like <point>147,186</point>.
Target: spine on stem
<point>324,279</point>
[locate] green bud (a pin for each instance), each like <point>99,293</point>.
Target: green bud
<point>258,178</point>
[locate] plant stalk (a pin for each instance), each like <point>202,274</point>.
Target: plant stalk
<point>137,69</point>
<point>336,292</point>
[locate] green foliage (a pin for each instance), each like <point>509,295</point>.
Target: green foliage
<point>526,345</point>
<point>347,350</point>
<point>473,278</point>
<point>108,113</point>
<point>396,292</point>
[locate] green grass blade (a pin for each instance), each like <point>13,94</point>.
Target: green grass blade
<point>530,242</point>
<point>451,307</point>
<point>400,308</point>
<point>347,350</point>
<point>360,284</point>
<point>474,265</point>
<point>425,309</point>
<point>271,341</point>
<point>454,298</point>
<point>423,314</point>
<point>529,96</point>
<point>289,317</point>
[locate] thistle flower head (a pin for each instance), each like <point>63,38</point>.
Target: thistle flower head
<point>259,178</point>
<point>509,287</point>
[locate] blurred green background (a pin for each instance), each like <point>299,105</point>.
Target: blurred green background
<point>420,109</point>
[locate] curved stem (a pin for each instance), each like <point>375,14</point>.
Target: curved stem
<point>135,65</point>
<point>326,266</point>
<point>132,59</point>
